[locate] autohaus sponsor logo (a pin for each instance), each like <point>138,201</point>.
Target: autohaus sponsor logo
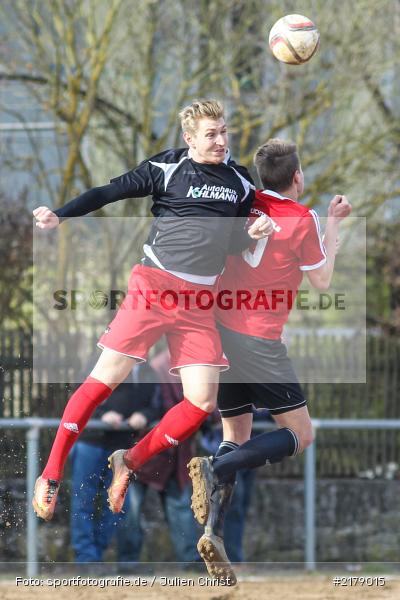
<point>212,191</point>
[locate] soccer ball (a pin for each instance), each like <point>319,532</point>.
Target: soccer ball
<point>294,39</point>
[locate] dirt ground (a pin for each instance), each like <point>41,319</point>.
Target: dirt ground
<point>312,587</point>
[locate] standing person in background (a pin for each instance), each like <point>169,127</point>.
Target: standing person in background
<point>135,403</point>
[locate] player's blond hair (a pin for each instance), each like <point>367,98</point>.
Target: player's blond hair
<point>276,162</point>
<point>200,109</point>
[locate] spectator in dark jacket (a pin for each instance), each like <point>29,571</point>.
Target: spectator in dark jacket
<point>135,402</point>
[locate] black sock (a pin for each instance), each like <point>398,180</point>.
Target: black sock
<point>262,449</point>
<point>226,447</point>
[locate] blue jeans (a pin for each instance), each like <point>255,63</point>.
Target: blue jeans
<point>183,528</point>
<point>236,514</point>
<point>92,522</point>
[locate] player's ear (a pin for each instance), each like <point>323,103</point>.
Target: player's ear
<point>296,177</point>
<point>188,137</point>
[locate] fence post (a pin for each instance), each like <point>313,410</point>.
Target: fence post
<point>32,444</point>
<point>309,500</point>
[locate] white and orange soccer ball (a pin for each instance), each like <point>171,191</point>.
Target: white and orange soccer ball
<point>294,39</point>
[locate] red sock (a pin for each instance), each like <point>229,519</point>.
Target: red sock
<point>77,413</point>
<point>179,423</point>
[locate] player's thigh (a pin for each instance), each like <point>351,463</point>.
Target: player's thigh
<point>200,385</point>
<point>298,420</point>
<point>112,367</point>
<point>235,407</point>
<point>237,429</point>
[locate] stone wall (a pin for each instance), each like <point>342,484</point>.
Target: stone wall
<point>357,521</point>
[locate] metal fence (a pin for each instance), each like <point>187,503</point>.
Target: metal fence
<point>33,428</point>
<point>341,453</point>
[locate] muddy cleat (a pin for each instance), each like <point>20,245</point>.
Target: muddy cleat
<point>210,498</point>
<point>45,497</point>
<point>122,477</point>
<point>202,476</point>
<point>210,501</point>
<point>212,551</point>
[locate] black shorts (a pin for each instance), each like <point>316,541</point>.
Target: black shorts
<point>261,375</point>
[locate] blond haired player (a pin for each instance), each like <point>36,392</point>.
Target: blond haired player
<point>185,252</point>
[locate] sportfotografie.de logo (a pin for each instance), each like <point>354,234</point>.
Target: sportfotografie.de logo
<point>276,300</point>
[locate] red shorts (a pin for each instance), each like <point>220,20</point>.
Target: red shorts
<point>159,303</point>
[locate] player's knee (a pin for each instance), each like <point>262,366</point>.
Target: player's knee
<point>112,368</point>
<point>306,438</point>
<point>204,400</point>
<point>208,405</point>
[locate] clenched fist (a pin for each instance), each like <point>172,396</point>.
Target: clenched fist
<point>45,218</point>
<point>261,228</point>
<point>339,208</point>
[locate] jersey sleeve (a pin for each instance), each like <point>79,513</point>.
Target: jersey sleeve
<point>90,201</point>
<point>139,182</point>
<point>306,242</point>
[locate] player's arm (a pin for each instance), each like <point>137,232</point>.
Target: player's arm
<point>135,183</point>
<point>84,204</point>
<point>245,231</point>
<point>339,208</point>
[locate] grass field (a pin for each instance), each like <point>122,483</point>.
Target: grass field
<point>275,587</point>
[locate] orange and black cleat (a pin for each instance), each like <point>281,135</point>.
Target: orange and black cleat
<point>45,497</point>
<point>122,477</point>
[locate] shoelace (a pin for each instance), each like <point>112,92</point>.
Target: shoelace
<point>52,489</point>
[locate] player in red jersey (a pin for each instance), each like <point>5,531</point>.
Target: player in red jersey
<point>185,252</point>
<point>257,291</point>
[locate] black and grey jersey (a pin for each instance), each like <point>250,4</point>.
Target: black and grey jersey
<point>187,196</point>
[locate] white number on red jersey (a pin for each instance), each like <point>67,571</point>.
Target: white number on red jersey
<point>254,258</point>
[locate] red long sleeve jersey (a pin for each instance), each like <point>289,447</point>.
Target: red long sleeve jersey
<point>258,287</point>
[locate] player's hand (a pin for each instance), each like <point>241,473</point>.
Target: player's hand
<point>261,228</point>
<point>45,218</point>
<point>112,418</point>
<point>339,208</point>
<point>137,420</point>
